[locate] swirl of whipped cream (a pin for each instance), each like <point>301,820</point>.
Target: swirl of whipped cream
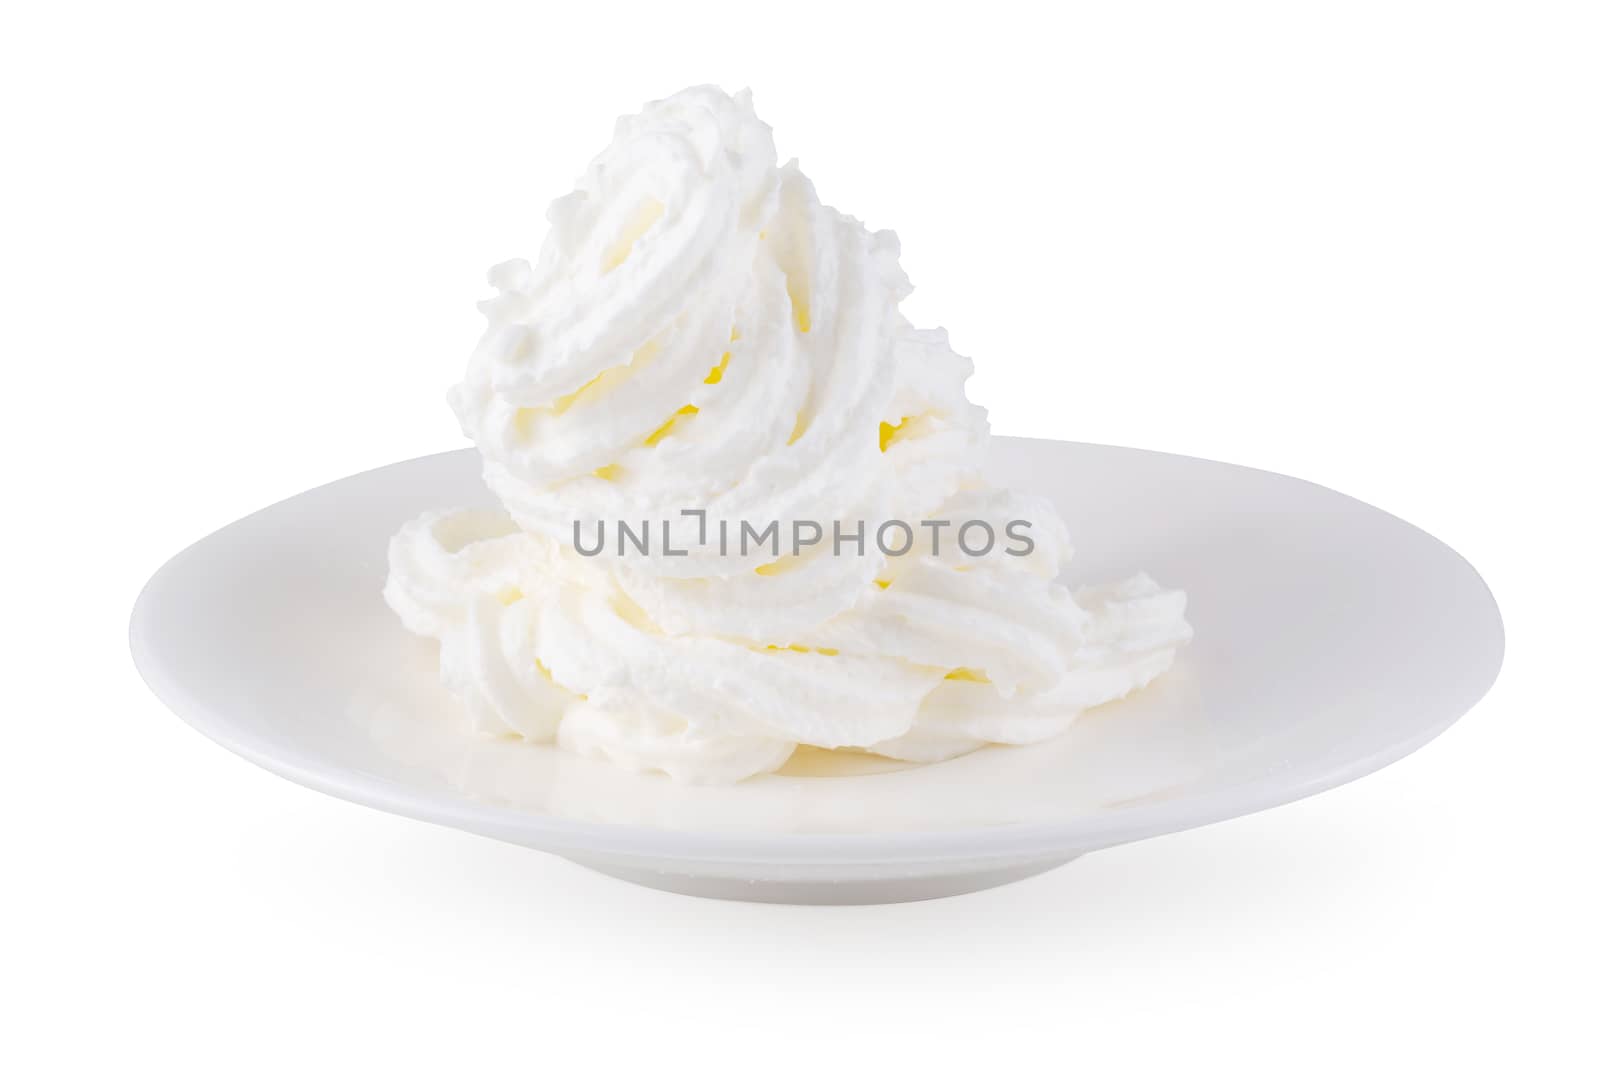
<point>702,334</point>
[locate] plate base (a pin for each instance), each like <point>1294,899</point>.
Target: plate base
<point>877,890</point>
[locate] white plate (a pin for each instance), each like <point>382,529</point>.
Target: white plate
<point>1331,639</point>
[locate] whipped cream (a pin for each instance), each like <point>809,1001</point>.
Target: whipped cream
<point>701,334</point>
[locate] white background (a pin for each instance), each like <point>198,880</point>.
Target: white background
<point>1358,243</point>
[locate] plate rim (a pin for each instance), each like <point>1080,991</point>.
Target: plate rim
<point>571,836</point>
